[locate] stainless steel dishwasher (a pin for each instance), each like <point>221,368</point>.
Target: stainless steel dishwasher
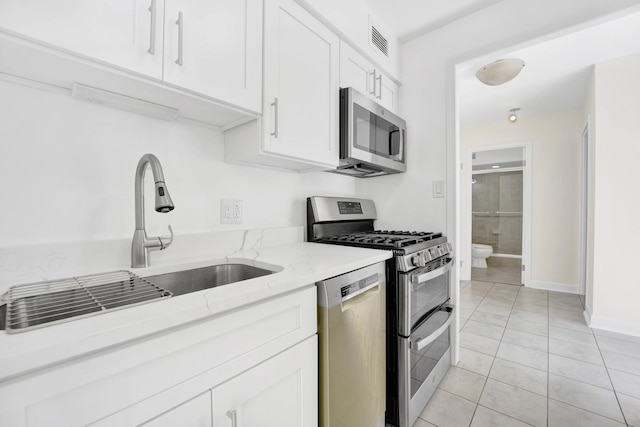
<point>352,353</point>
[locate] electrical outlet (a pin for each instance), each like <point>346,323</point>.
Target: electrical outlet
<point>230,211</point>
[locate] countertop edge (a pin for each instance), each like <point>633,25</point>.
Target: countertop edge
<point>303,264</point>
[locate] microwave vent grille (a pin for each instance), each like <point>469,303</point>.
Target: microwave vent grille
<point>379,41</point>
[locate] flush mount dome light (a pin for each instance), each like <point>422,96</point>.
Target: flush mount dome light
<point>500,71</point>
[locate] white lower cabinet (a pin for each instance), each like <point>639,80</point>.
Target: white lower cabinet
<point>256,365</point>
<point>281,392</point>
<point>194,413</point>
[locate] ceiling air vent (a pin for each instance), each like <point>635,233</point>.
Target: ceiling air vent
<point>379,41</point>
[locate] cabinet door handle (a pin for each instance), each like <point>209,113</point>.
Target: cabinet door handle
<point>274,104</point>
<point>372,91</point>
<point>180,25</point>
<point>231,413</point>
<point>152,38</point>
<point>379,80</point>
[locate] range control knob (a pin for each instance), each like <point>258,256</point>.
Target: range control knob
<point>419,260</point>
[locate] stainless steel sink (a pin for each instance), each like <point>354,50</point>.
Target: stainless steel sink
<point>26,307</point>
<point>197,279</point>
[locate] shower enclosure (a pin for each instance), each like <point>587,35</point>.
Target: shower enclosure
<point>497,212</point>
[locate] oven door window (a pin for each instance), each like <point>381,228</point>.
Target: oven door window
<point>375,135</point>
<point>423,361</point>
<point>427,296</point>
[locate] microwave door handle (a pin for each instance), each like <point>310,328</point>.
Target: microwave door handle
<point>393,153</point>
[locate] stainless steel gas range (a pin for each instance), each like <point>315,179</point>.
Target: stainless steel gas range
<point>419,310</point>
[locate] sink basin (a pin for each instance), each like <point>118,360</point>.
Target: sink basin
<point>197,279</point>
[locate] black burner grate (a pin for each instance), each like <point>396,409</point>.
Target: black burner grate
<point>382,239</point>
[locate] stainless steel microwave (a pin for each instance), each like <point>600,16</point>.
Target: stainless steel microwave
<point>372,139</point>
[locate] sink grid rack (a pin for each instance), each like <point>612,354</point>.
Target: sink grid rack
<point>35,305</point>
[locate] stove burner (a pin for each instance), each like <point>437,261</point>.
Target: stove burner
<point>383,239</point>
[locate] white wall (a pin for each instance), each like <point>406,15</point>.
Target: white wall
<point>555,146</point>
<point>67,171</point>
<point>616,196</point>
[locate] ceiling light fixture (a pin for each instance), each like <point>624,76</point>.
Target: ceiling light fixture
<point>500,71</point>
<point>512,115</point>
<point>495,167</point>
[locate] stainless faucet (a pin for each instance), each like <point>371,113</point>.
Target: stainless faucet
<point>142,244</point>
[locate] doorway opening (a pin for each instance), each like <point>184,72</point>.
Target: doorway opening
<point>498,199</point>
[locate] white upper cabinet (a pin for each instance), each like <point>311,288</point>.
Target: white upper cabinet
<point>356,22</point>
<point>299,125</point>
<point>215,48</point>
<point>203,58</point>
<point>301,85</point>
<point>359,73</point>
<point>126,34</point>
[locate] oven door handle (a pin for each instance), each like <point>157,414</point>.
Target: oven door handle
<point>420,345</point>
<point>425,277</point>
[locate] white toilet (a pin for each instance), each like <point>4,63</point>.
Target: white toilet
<point>479,255</point>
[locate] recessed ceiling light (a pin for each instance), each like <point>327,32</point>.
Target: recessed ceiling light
<point>500,71</point>
<point>495,167</point>
<point>512,115</point>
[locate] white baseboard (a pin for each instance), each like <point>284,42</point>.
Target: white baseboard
<point>614,325</point>
<point>551,286</point>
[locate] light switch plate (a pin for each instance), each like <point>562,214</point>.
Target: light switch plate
<point>438,189</point>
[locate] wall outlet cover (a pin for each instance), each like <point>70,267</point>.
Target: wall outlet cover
<point>230,211</point>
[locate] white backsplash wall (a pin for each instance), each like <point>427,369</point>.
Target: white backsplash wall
<point>67,170</point>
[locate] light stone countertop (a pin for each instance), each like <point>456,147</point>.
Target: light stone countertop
<point>302,264</point>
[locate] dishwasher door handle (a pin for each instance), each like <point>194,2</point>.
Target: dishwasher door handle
<point>361,291</point>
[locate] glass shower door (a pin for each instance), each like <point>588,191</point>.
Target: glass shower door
<point>497,211</point>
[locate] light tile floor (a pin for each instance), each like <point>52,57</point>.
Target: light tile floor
<point>499,274</point>
<point>528,358</point>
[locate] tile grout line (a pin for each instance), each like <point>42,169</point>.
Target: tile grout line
<point>548,356</point>
<point>492,363</point>
<point>490,367</point>
<point>606,368</point>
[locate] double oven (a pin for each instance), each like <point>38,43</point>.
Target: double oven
<point>419,310</point>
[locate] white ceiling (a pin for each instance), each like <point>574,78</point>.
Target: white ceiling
<point>555,75</point>
<point>556,71</point>
<point>412,18</point>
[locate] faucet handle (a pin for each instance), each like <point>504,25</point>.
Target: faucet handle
<point>166,241</point>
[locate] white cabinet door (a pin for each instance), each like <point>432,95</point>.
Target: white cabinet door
<point>358,72</point>
<point>387,92</point>
<point>127,34</point>
<point>281,392</point>
<point>194,413</point>
<point>215,48</point>
<point>300,111</point>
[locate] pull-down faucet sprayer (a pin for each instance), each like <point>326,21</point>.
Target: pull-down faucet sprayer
<point>142,244</point>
